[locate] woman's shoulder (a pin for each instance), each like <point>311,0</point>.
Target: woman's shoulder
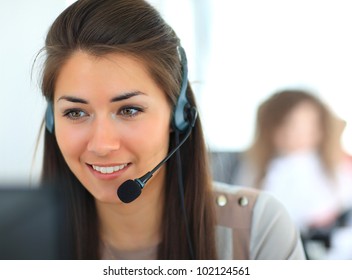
<point>235,204</point>
<point>244,199</point>
<point>254,222</point>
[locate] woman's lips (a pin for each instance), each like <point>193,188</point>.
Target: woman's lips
<point>108,169</point>
<point>108,172</point>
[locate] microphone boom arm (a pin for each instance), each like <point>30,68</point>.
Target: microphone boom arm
<point>145,178</point>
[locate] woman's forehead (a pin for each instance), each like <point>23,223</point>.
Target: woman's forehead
<point>113,72</point>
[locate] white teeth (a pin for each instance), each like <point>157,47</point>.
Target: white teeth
<point>108,169</point>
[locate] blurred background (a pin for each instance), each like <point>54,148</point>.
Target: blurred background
<point>240,52</point>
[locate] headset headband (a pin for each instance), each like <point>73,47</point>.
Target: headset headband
<point>181,119</point>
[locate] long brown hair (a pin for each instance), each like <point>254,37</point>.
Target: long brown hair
<point>270,115</point>
<point>132,27</point>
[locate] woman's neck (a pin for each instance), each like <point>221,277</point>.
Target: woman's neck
<point>136,225</point>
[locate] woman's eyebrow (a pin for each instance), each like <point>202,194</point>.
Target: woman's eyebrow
<point>72,99</point>
<point>125,96</point>
<point>118,98</point>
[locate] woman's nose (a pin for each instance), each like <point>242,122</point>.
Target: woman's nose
<point>105,137</point>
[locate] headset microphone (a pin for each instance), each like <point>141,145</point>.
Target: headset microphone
<point>131,189</point>
<point>183,121</point>
<point>184,118</point>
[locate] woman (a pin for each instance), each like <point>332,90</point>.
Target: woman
<point>115,78</point>
<point>297,156</point>
<point>297,153</point>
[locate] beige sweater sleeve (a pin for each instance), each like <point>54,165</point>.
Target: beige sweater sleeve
<point>260,229</point>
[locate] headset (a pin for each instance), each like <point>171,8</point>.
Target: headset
<point>49,117</point>
<point>183,114</point>
<point>183,121</point>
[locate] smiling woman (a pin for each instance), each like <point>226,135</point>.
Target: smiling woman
<point>119,104</point>
<point>118,117</point>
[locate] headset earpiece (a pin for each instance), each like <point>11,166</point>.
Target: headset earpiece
<point>49,117</point>
<point>184,114</point>
<point>181,118</point>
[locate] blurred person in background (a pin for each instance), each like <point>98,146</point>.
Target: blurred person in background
<point>297,156</point>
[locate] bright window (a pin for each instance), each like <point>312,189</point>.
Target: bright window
<point>243,51</point>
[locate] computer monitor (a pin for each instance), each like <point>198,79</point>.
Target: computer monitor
<point>32,224</point>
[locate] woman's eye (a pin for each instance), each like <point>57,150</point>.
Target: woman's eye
<point>75,114</point>
<point>130,111</point>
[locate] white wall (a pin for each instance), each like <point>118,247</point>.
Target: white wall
<point>255,47</point>
<point>23,25</point>
<point>247,50</point>
<point>258,47</point>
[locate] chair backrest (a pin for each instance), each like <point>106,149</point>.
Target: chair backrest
<point>225,166</point>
